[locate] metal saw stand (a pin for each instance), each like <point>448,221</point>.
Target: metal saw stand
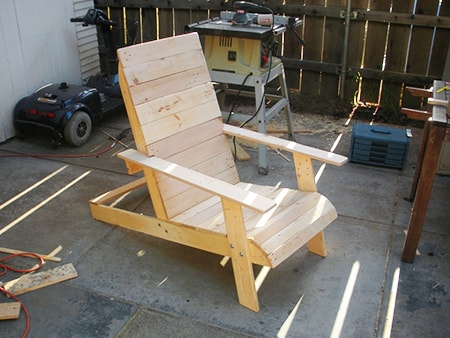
<point>265,113</point>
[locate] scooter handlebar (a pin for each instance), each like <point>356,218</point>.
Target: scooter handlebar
<point>94,17</point>
<point>78,19</point>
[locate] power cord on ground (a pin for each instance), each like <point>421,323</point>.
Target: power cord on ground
<point>5,268</point>
<point>116,140</point>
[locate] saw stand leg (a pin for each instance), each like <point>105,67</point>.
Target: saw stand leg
<point>263,112</point>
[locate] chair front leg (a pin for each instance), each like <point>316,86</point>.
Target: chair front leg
<point>240,255</point>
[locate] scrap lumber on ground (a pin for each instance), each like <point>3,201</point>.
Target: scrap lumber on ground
<point>34,281</point>
<point>9,310</point>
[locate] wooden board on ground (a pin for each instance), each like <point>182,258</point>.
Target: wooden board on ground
<point>34,281</point>
<point>9,310</point>
<point>45,257</point>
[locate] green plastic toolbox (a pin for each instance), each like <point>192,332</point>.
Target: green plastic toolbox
<point>379,146</point>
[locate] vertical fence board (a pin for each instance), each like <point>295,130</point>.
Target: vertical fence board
<point>396,55</point>
<point>419,49</point>
<point>422,39</point>
<point>214,13</point>
<point>116,14</point>
<point>312,51</point>
<point>427,7</point>
<point>165,22</point>
<point>182,17</point>
<point>399,37</point>
<point>198,15</point>
<point>292,49</point>
<point>149,24</point>
<point>420,43</point>
<point>355,52</point>
<point>440,47</point>
<point>439,54</point>
<point>332,53</point>
<point>374,52</point>
<point>133,21</point>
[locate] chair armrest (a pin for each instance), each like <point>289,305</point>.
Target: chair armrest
<point>214,186</point>
<point>291,146</point>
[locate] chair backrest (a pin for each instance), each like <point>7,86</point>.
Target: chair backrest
<point>174,114</point>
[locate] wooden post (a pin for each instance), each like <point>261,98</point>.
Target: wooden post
<point>424,187</point>
<point>420,156</point>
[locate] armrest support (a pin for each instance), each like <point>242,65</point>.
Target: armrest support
<point>217,187</point>
<point>293,147</point>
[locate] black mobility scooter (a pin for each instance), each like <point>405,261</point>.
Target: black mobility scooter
<point>69,111</point>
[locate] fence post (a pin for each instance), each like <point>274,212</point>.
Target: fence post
<point>345,49</point>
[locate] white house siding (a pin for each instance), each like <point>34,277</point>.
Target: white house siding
<point>39,45</point>
<point>87,42</point>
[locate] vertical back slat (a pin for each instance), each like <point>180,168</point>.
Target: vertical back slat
<point>174,114</point>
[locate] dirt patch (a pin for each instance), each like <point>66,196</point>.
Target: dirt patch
<point>337,108</point>
<point>333,108</point>
<point>313,115</point>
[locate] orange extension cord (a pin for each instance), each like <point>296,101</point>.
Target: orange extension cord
<point>5,268</point>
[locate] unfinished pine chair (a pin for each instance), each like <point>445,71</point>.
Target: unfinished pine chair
<point>189,170</point>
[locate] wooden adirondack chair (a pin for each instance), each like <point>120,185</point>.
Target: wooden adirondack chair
<point>189,170</point>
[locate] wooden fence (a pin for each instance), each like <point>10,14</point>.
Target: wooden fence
<point>366,52</point>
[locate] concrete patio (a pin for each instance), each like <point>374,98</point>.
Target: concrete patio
<point>131,285</point>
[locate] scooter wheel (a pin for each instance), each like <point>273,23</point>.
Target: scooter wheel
<point>78,129</point>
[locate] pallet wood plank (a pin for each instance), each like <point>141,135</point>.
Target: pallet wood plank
<point>9,310</point>
<point>34,281</point>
